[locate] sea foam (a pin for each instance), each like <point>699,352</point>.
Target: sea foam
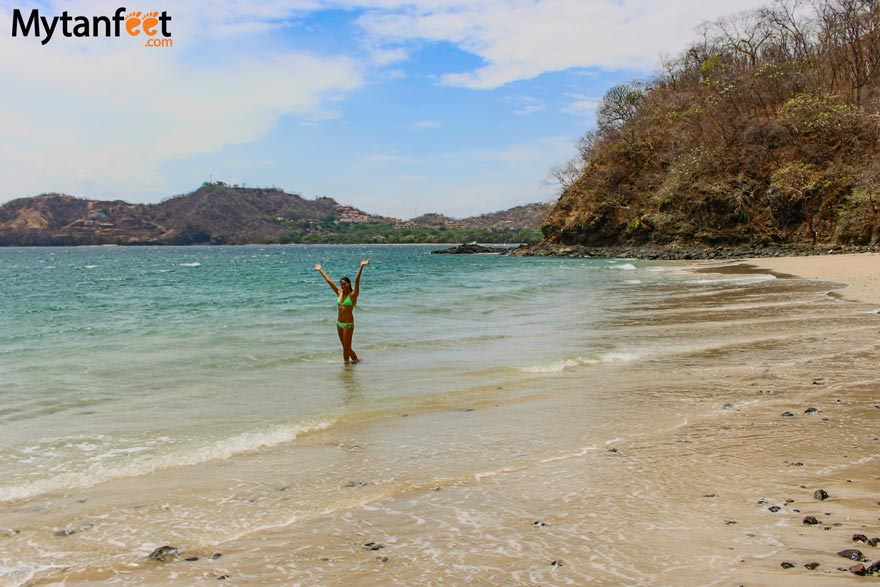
<point>560,365</point>
<point>179,456</point>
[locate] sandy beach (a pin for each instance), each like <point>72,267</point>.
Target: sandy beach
<point>860,272</point>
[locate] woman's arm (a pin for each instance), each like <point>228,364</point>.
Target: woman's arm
<point>357,280</point>
<point>320,270</point>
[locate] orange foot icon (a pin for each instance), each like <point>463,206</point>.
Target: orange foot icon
<point>132,22</point>
<point>150,22</point>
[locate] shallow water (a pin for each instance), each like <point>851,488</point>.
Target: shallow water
<point>516,421</point>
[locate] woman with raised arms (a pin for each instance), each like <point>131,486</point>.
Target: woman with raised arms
<point>346,299</point>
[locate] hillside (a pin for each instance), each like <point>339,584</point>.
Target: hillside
<point>518,218</point>
<point>763,132</point>
<point>220,214</point>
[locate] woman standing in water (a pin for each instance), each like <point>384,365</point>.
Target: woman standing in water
<point>346,298</point>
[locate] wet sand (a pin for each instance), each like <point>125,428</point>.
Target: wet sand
<point>693,462</point>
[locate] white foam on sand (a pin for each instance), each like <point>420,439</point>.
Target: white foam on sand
<point>100,471</point>
<point>560,365</point>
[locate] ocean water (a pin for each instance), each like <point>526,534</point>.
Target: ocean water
<point>197,397</point>
<point>121,361</point>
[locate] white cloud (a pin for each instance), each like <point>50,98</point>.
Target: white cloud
<point>582,106</point>
<point>526,105</point>
<point>101,117</point>
<point>426,125</point>
<point>521,39</point>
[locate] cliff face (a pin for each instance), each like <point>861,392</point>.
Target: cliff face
<point>764,132</point>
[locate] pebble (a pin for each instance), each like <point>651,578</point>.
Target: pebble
<point>858,569</point>
<point>556,563</point>
<point>811,566</point>
<point>787,565</point>
<point>215,556</point>
<point>852,554</point>
<point>774,508</point>
<point>811,521</point>
<point>374,546</point>
<point>163,554</point>
<point>860,538</point>
<point>810,411</point>
<point>787,414</point>
<point>821,494</point>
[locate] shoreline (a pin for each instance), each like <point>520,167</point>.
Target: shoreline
<point>687,253</point>
<point>760,393</point>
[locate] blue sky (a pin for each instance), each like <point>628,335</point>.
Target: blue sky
<point>396,107</point>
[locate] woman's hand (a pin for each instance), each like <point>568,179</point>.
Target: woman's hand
<point>365,262</point>
<point>317,266</point>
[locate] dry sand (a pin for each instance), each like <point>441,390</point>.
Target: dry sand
<point>860,272</point>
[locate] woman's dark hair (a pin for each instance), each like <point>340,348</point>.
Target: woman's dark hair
<point>347,280</point>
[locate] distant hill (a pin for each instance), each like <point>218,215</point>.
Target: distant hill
<point>518,218</point>
<point>217,213</point>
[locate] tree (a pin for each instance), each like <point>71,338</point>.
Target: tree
<point>619,104</point>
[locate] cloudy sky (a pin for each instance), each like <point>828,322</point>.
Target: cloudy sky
<point>399,108</point>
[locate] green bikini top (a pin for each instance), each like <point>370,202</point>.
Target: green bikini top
<point>347,301</point>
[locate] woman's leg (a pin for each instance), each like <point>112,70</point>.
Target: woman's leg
<point>348,335</point>
<point>341,333</point>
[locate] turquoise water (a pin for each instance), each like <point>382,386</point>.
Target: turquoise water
<point>117,362</point>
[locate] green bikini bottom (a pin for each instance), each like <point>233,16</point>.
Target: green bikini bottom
<point>345,325</point>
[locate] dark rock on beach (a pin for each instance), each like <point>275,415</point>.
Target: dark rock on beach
<point>811,521</point>
<point>811,566</point>
<point>787,565</point>
<point>164,554</point>
<point>853,554</point>
<point>860,538</point>
<point>821,494</point>
<point>469,249</point>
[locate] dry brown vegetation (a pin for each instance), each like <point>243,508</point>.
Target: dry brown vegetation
<point>764,131</point>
